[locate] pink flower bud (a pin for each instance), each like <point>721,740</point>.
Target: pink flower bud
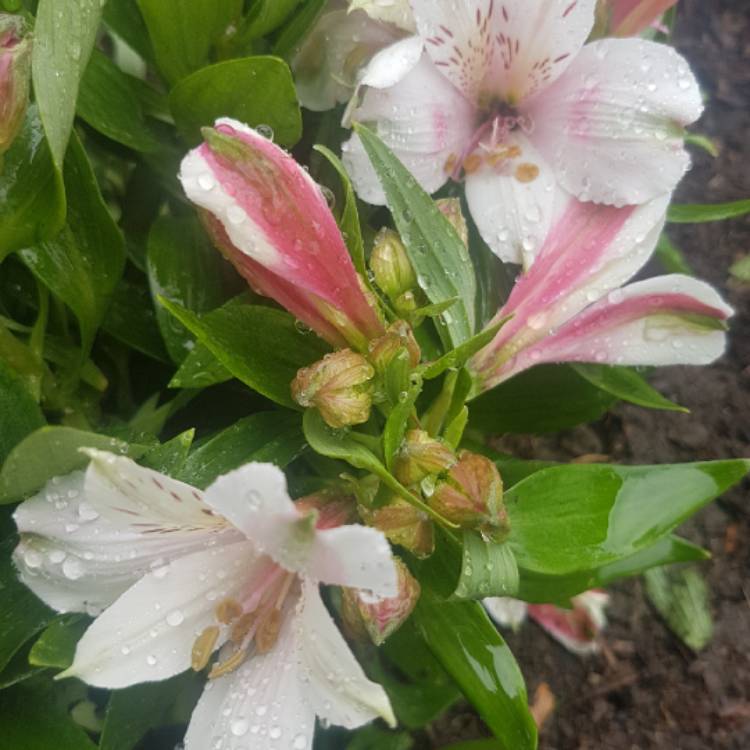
<point>383,350</point>
<point>15,69</point>
<point>420,456</point>
<point>403,524</point>
<point>271,220</point>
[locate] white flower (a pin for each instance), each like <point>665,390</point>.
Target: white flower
<point>183,572</point>
<point>507,96</point>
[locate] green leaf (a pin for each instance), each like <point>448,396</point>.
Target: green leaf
<point>395,426</point>
<point>700,213</point>
<point>83,264</point>
<point>487,569</point>
<point>170,457</point>
<point>438,255</point>
<point>56,646</point>
<point>626,384</point>
<point>51,452</point>
<point>253,90</point>
<point>19,412</point>
<point>200,369</point>
<point>373,737</point>
<point>741,269</point>
<point>471,650</point>
<point>671,258</point>
<point>183,32</point>
<point>680,595</point>
<point>108,102</point>
<point>296,29</point>
<point>124,18</point>
<point>32,194</point>
<point>184,268</point>
<point>349,221</point>
<point>266,16</point>
<point>261,346</point>
<point>598,514</point>
<point>546,398</point>
<point>63,40</point>
<point>268,436</point>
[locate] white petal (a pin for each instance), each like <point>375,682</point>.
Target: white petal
<point>422,119</point>
<point>611,126</point>
<point>354,556</point>
<point>339,690</point>
<point>514,217</point>
<point>261,706</point>
<point>148,633</point>
<point>76,559</point>
<point>391,64</point>
<point>506,611</point>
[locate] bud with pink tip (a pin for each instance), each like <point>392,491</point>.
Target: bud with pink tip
<point>15,70</point>
<point>631,17</point>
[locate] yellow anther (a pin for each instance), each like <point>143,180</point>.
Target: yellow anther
<point>450,164</point>
<point>241,628</point>
<point>204,647</point>
<point>228,610</point>
<point>229,665</point>
<point>268,632</point>
<point>472,163</point>
<point>527,172</point>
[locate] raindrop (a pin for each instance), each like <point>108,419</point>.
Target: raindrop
<point>274,733</point>
<point>87,512</point>
<point>72,568</point>
<point>206,182</point>
<point>299,742</point>
<point>151,660</point>
<point>175,618</point>
<point>32,558</point>
<point>235,215</point>
<point>239,727</point>
<point>265,130</point>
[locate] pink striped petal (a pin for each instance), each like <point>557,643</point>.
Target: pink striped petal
<point>631,17</point>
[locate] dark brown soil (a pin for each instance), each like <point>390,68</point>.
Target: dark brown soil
<point>646,691</point>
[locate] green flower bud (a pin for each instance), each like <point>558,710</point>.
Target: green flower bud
<point>420,456</point>
<point>391,265</point>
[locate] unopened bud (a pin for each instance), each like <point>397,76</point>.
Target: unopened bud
<point>339,386</point>
<point>391,265</point>
<point>420,456</point>
<point>403,524</point>
<point>472,496</point>
<point>332,508</point>
<point>380,617</point>
<point>15,70</point>
<point>451,209</point>
<point>398,337</point>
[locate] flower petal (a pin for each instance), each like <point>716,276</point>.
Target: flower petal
<point>514,216</point>
<point>611,126</point>
<point>506,611</point>
<point>339,690</point>
<point>262,705</point>
<point>391,64</point>
<point>423,119</point>
<point>630,17</point>
<point>148,633</point>
<point>397,12</point>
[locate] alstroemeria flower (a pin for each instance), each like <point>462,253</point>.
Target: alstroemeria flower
<point>631,17</point>
<point>577,628</point>
<point>271,220</point>
<point>571,306</point>
<point>507,96</point>
<point>183,572</point>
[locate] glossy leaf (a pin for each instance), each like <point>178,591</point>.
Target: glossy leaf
<point>32,194</point>
<point>107,101</point>
<point>183,32</point>
<point>56,646</point>
<point>169,458</point>
<point>260,346</point>
<point>626,384</point>
<point>438,255</point>
<point>19,412</point>
<point>253,90</point>
<point>83,264</point>
<point>295,30</point>
<point>266,16</point>
<point>200,369</point>
<point>487,569</point>
<point>268,436</point>
<point>700,213</point>
<point>63,40</point>
<point>395,426</point>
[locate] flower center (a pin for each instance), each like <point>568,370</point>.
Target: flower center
<point>254,621</point>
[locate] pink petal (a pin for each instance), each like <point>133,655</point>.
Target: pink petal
<point>631,17</point>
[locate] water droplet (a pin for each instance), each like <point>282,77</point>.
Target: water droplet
<point>265,130</point>
<point>239,727</point>
<point>151,660</point>
<point>274,733</point>
<point>87,512</point>
<point>32,558</point>
<point>175,618</point>
<point>235,215</point>
<point>72,568</point>
<point>299,742</point>
<point>206,182</point>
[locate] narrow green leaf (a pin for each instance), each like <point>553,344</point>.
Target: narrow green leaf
<point>261,346</point>
<point>124,18</point>
<point>170,457</point>
<point>19,413</point>
<point>487,569</point>
<point>265,17</point>
<point>200,369</point>
<point>395,425</point>
<point>626,384</point>
<point>702,141</point>
<point>700,213</point>
<point>440,258</point>
<point>671,258</point>
<point>56,646</point>
<point>295,30</point>
<point>254,90</point>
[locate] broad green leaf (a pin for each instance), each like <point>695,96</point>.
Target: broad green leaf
<point>349,221</point>
<point>598,514</point>
<point>107,101</point>
<point>440,259</point>
<point>700,213</point>
<point>680,595</point>
<point>83,264</point>
<point>18,668</point>
<point>260,346</point>
<point>253,90</point>
<point>64,35</point>
<point>169,457</point>
<point>487,569</point>
<point>51,452</point>
<point>373,737</point>
<point>183,32</point>
<point>547,398</point>
<point>266,16</point>
<point>32,194</point>
<point>56,646</point>
<point>200,369</point>
<point>626,384</point>
<point>19,412</point>
<point>296,29</point>
<point>472,651</point>
<point>184,268</point>
<point>395,426</point>
<point>268,436</point>
<point>124,18</point>
<point>671,258</point>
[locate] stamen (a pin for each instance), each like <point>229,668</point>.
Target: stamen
<point>234,661</point>
<point>242,627</point>
<point>268,631</point>
<point>228,610</point>
<point>472,163</point>
<point>527,172</point>
<point>450,164</point>
<point>204,647</point>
